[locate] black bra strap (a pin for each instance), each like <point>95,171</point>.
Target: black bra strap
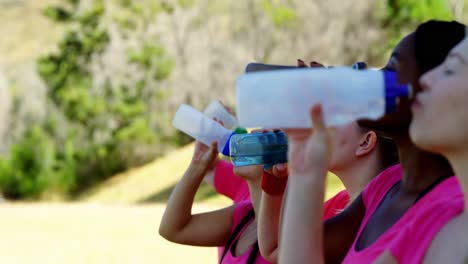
<point>430,187</point>
<point>253,254</point>
<point>249,216</point>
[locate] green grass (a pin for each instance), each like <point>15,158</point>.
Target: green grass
<point>155,181</point>
<point>92,234</point>
<point>115,222</point>
<point>150,183</point>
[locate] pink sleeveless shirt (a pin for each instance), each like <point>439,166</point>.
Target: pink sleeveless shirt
<point>410,237</point>
<point>336,204</point>
<point>229,185</point>
<point>240,212</point>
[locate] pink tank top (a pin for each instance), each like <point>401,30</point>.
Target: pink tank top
<point>410,237</point>
<point>229,185</point>
<point>335,205</point>
<point>240,212</point>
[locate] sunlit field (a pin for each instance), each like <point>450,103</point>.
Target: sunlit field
<point>115,223</point>
<point>88,233</point>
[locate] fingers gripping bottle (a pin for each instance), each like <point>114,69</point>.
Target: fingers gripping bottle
<point>217,110</point>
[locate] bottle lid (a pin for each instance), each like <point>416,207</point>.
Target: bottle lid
<point>240,130</point>
<point>226,150</point>
<point>394,90</point>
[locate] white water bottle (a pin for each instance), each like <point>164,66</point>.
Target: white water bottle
<point>200,127</point>
<point>282,98</point>
<point>217,110</point>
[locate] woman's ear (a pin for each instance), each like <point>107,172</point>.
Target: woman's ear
<point>367,143</point>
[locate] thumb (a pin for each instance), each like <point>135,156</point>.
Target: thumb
<point>213,151</point>
<point>280,170</point>
<point>301,64</point>
<point>318,121</point>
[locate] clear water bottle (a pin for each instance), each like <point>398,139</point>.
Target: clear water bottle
<point>258,148</point>
<point>202,128</point>
<point>282,98</point>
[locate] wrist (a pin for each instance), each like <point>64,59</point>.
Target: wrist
<point>308,169</point>
<point>273,185</point>
<point>309,180</point>
<point>197,169</point>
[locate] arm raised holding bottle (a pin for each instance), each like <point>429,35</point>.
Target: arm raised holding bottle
<point>178,224</point>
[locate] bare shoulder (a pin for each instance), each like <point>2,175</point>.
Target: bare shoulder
<point>451,243</point>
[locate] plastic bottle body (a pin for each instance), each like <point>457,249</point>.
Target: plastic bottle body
<point>217,110</point>
<point>282,98</point>
<point>258,148</point>
<point>200,127</point>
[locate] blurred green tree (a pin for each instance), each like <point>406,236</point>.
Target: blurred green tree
<point>399,17</point>
<point>101,120</point>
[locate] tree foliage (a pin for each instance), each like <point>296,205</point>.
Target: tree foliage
<point>99,122</point>
<point>122,68</point>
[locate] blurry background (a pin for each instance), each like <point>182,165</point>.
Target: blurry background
<point>88,89</point>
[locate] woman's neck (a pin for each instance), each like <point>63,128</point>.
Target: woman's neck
<point>459,162</point>
<point>420,168</point>
<point>356,178</point>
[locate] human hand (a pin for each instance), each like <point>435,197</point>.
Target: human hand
<point>229,109</point>
<point>254,171</point>
<point>279,170</point>
<point>204,156</point>
<point>309,151</point>
<point>313,64</point>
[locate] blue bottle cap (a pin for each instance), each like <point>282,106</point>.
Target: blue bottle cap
<point>394,90</point>
<point>226,151</point>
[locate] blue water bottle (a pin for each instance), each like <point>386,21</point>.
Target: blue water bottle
<point>258,148</point>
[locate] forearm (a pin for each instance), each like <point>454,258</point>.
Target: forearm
<point>178,211</point>
<point>209,178</point>
<point>268,224</point>
<point>301,239</point>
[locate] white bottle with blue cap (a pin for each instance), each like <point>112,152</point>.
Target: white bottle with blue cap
<point>202,128</point>
<point>244,149</point>
<point>282,98</point>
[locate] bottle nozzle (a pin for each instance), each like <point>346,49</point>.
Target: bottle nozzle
<point>394,91</point>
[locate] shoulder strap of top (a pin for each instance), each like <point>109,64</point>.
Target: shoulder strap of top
<point>432,186</point>
<point>249,216</point>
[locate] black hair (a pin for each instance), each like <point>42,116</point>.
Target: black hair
<point>388,151</point>
<point>433,41</point>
